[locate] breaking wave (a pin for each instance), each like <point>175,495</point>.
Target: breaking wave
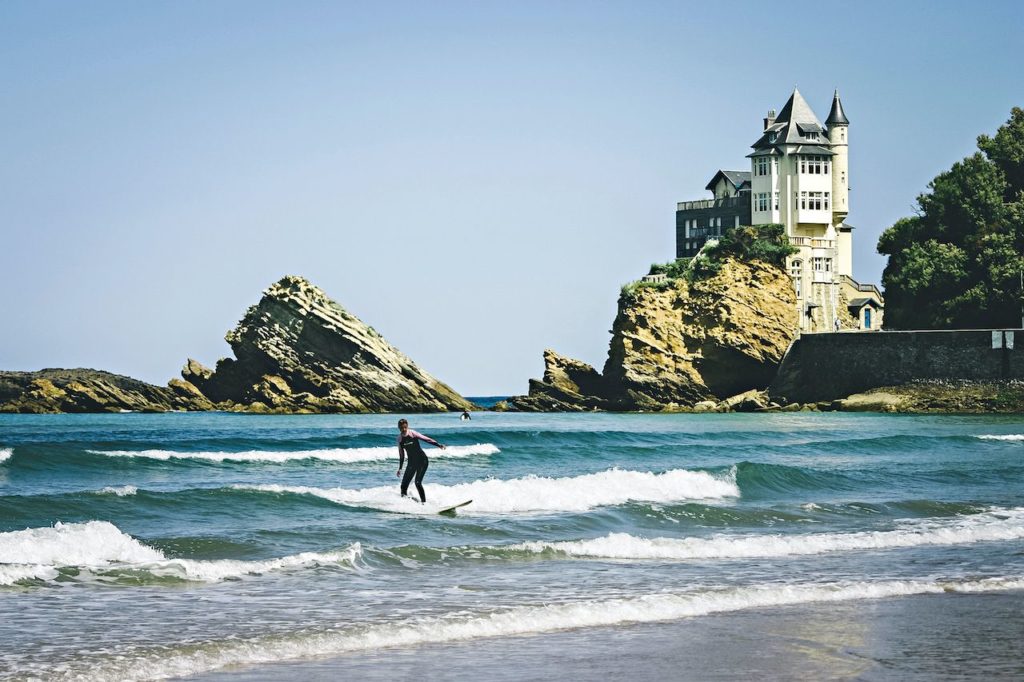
<point>535,493</point>
<point>339,455</point>
<point>101,549</point>
<point>997,525</point>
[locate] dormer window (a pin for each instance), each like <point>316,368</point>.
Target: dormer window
<point>772,137</point>
<point>812,136</point>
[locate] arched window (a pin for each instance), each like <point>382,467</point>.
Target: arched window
<point>796,271</point>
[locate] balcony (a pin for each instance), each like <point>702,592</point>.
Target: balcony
<point>727,202</point>
<point>813,242</point>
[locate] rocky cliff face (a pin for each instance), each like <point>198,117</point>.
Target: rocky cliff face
<point>89,390</point>
<point>299,351</point>
<point>680,344</point>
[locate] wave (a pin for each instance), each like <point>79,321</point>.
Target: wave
<point>534,493</point>
<point>5,454</point>
<point>997,525</point>
<point>196,658</point>
<point>758,477</point>
<point>101,549</point>
<point>120,491</point>
<point>340,455</point>
<point>1006,437</point>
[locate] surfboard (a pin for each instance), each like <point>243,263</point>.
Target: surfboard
<point>451,510</point>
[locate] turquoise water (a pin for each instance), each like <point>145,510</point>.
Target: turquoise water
<point>155,546</point>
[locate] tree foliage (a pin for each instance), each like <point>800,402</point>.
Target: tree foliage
<point>958,262</point>
<point>766,243</point>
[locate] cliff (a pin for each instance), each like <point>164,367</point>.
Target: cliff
<point>678,344</point>
<point>299,351</point>
<point>89,390</point>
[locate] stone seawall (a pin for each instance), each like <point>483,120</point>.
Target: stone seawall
<point>820,367</point>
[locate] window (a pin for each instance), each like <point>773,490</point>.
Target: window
<point>775,166</point>
<point>815,165</point>
<point>776,201</point>
<point>813,201</point>
<point>822,264</point>
<point>761,166</point>
<point>803,200</point>
<point>796,271</point>
<point>762,201</point>
<point>842,134</point>
<point>827,196</point>
<point>842,177</point>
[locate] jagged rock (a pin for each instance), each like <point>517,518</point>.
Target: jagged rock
<point>299,351</point>
<point>708,340</point>
<point>749,401</point>
<point>680,345</point>
<point>88,390</point>
<point>569,375</point>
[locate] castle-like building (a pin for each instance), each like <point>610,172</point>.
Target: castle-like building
<point>798,177</point>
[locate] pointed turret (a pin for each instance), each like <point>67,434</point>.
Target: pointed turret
<point>836,116</point>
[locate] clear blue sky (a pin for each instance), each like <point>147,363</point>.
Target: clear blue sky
<point>475,180</point>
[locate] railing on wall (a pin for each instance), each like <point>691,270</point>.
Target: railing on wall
<point>727,202</point>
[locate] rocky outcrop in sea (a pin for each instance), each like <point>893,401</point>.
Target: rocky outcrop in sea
<point>90,390</point>
<point>299,351</point>
<point>296,351</point>
<point>678,344</point>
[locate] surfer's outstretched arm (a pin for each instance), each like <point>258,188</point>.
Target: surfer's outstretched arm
<point>401,456</point>
<point>426,439</point>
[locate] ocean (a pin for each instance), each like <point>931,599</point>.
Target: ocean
<point>598,546</point>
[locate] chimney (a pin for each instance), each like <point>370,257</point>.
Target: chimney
<point>770,119</point>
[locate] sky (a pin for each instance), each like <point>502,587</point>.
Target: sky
<point>475,180</point>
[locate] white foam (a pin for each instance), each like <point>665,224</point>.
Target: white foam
<point>340,455</point>
<point>522,620</point>
<point>120,491</point>
<point>99,546</point>
<point>5,454</point>
<point>535,493</point>
<point>1008,437</point>
<point>1003,525</point>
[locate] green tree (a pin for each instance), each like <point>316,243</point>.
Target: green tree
<point>957,263</point>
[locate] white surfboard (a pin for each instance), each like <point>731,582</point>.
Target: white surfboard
<point>451,509</point>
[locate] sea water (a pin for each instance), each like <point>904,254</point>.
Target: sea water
<point>778,546</point>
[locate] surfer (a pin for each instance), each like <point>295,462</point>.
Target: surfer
<point>465,415</point>
<point>409,444</point>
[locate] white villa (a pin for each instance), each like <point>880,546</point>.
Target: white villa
<point>799,177</point>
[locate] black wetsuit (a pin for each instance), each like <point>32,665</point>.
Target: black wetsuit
<point>418,464</point>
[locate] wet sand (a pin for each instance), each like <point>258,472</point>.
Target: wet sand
<point>928,637</point>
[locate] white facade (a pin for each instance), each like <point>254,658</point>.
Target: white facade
<point>800,179</point>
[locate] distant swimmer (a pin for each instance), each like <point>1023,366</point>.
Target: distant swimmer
<point>465,415</point>
<point>409,444</point>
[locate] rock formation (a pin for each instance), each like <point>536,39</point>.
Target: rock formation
<point>89,390</point>
<point>299,351</point>
<point>678,344</point>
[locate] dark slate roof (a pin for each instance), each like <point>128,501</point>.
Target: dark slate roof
<point>794,123</point>
<point>837,115</point>
<point>737,178</point>
<point>814,149</point>
<point>859,303</point>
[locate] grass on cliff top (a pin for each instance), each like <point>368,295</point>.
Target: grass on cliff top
<point>747,243</point>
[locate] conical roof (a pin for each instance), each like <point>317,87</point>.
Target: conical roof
<point>837,116</point>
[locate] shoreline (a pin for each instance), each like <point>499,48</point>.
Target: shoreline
<point>904,638</point>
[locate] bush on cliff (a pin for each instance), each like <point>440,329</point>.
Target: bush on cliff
<point>958,262</point>
<point>766,243</point>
